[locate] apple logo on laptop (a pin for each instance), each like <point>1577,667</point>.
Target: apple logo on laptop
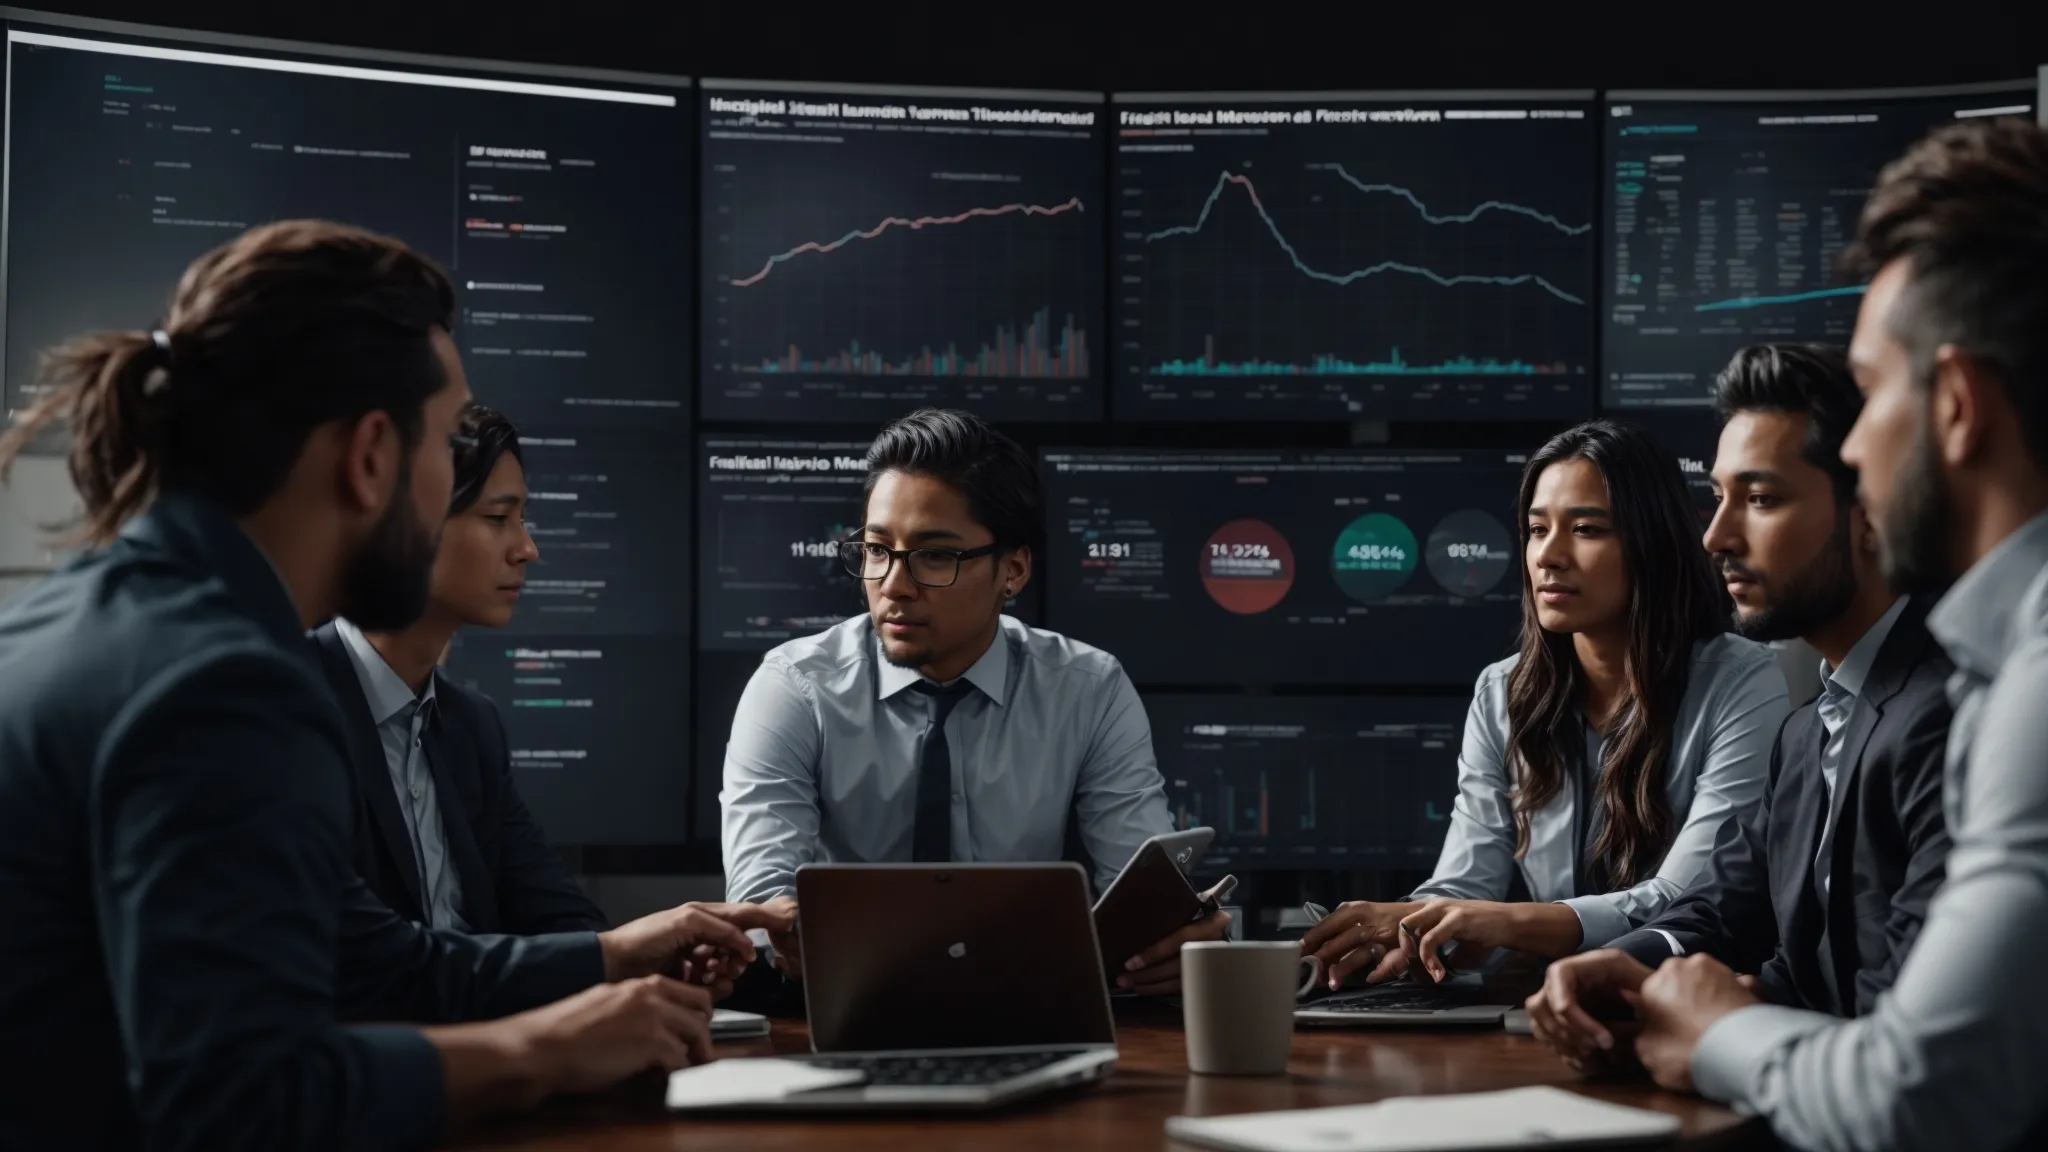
<point>957,950</point>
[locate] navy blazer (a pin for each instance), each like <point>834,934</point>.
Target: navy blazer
<point>184,929</point>
<point>511,880</point>
<point>1760,907</point>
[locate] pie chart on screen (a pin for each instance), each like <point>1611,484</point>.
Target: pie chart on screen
<point>1247,567</point>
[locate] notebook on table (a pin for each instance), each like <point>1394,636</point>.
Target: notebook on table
<point>1539,1117</point>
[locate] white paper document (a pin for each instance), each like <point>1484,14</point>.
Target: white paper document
<point>751,1081</point>
<point>1517,1118</point>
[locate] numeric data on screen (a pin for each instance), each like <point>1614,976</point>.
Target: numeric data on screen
<point>771,516</point>
<point>1308,258</point>
<point>868,252</point>
<point>1726,220</point>
<point>1196,567</point>
<point>1310,782</point>
<point>561,211</point>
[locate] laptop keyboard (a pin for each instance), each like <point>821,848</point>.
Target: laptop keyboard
<point>950,1071</point>
<point>1398,998</point>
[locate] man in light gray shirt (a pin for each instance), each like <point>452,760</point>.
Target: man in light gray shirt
<point>935,728</point>
<point>1951,351</point>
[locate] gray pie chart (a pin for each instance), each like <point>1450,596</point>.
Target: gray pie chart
<point>1468,552</point>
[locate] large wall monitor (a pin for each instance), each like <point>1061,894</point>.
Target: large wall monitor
<point>771,514</point>
<point>1727,213</point>
<point>869,250</point>
<point>1393,256</point>
<point>1286,567</point>
<point>592,677</point>
<point>561,207</point>
<point>1311,782</point>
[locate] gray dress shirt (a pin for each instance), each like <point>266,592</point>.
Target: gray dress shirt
<point>1841,696</point>
<point>1735,700</point>
<point>1956,1053</point>
<point>401,721</point>
<point>826,742</point>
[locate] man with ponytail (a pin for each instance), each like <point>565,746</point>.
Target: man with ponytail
<point>184,931</point>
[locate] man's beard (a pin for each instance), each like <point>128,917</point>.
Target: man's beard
<point>390,578</point>
<point>1815,595</point>
<point>1913,531</point>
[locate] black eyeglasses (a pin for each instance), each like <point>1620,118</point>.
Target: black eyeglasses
<point>930,567</point>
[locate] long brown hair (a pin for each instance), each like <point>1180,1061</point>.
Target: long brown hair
<point>283,329</point>
<point>1673,603</point>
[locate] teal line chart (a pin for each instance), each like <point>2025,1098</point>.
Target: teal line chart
<point>1227,178</point>
<point>1768,301</point>
<point>913,223</point>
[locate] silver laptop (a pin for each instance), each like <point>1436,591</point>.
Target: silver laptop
<point>1404,1003</point>
<point>951,986</point>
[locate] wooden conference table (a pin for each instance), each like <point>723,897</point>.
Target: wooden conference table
<point>1151,1083</point>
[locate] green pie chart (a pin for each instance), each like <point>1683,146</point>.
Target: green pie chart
<point>1374,555</point>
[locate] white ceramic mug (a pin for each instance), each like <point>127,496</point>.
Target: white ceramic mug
<point>1237,1001</point>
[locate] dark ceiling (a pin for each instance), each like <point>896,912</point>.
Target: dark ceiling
<point>1141,46</point>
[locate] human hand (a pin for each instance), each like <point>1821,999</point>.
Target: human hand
<point>1156,970</point>
<point>708,967</point>
<point>1359,934</point>
<point>1561,1013</point>
<point>787,943</point>
<point>1678,1003</point>
<point>665,941</point>
<point>609,1032</point>
<point>1476,927</point>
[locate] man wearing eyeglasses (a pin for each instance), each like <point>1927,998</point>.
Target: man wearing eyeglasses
<point>935,728</point>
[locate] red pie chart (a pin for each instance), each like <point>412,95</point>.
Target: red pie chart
<point>1247,567</point>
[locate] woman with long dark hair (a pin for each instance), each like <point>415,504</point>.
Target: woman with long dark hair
<point>1601,762</point>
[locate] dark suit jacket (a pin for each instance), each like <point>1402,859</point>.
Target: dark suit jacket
<point>1760,907</point>
<point>511,880</point>
<point>183,927</point>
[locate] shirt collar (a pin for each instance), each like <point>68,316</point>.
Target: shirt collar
<point>1862,655</point>
<point>387,694</point>
<point>991,673</point>
<point>1978,620</point>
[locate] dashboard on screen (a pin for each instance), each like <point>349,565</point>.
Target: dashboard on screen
<point>868,251</point>
<point>1727,214</point>
<point>771,514</point>
<point>1279,567</point>
<point>561,208</point>
<point>1403,256</point>
<point>592,676</point>
<point>1311,782</point>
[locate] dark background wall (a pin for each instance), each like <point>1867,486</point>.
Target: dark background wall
<point>1150,46</point>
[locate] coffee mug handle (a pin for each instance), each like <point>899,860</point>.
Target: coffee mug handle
<point>1315,975</point>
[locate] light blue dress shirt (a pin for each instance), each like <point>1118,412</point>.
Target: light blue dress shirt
<point>1956,1052</point>
<point>401,724</point>
<point>1841,696</point>
<point>826,742</point>
<point>1735,700</point>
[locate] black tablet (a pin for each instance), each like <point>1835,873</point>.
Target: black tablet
<point>1151,898</point>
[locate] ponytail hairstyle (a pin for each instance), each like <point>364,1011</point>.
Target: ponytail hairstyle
<point>286,328</point>
<point>1674,602</point>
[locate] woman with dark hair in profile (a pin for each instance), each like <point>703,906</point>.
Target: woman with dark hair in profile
<point>1601,762</point>
<point>449,843</point>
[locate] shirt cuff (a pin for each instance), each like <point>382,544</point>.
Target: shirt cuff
<point>1677,949</point>
<point>1733,1048</point>
<point>1600,922</point>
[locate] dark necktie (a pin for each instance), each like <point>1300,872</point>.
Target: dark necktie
<point>931,838</point>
